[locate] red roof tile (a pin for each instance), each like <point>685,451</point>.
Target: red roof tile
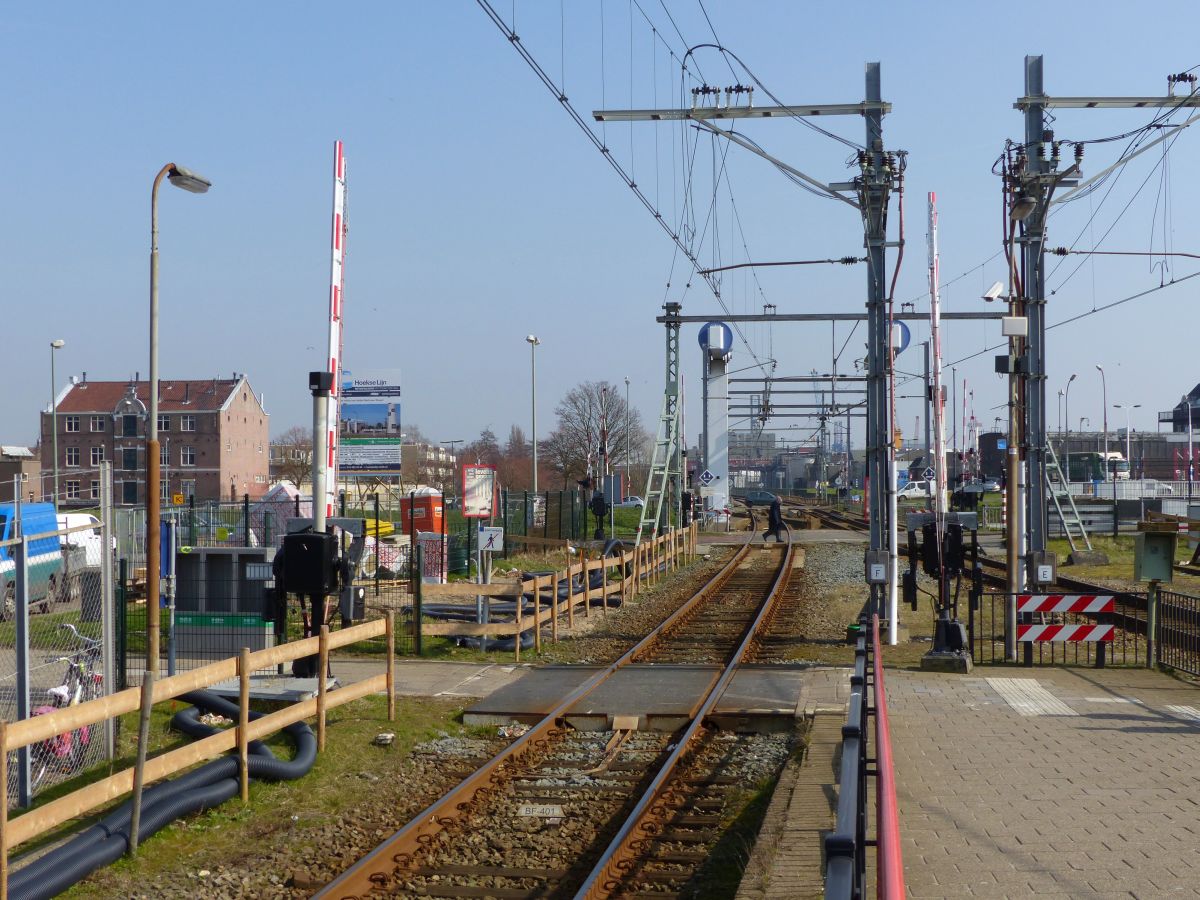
<point>204,395</point>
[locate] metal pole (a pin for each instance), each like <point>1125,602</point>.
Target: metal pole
<point>873,199</point>
<point>928,400</point>
<point>533,344</point>
<point>54,345</point>
<point>1188,400</point>
<point>1067,445</point>
<point>628,418</point>
<point>1035,310</point>
<point>320,468</point>
<point>153,497</point>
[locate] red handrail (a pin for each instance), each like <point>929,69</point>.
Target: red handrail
<point>889,862</point>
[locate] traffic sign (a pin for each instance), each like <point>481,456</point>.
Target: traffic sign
<point>928,473</point>
<point>707,478</point>
<point>491,539</point>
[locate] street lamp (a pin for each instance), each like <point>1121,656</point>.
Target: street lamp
<point>533,343</point>
<point>1104,400</point>
<point>627,422</point>
<point>1067,406</point>
<point>54,345</point>
<point>1128,451</point>
<point>195,184</point>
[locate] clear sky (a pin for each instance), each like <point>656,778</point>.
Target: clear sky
<point>479,213</point>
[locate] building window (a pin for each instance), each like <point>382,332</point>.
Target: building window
<point>258,479</point>
<point>73,457</point>
<point>164,489</point>
<point>129,459</point>
<point>97,423</point>
<point>97,455</point>
<point>95,490</point>
<point>164,422</point>
<point>187,488</point>
<point>187,423</point>
<point>72,489</point>
<point>187,456</point>
<point>129,426</point>
<point>129,492</point>
<point>72,423</point>
<point>164,455</point>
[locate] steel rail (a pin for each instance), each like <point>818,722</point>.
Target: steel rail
<point>621,854</point>
<point>372,872</point>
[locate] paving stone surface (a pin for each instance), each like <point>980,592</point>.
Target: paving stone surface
<point>1047,782</point>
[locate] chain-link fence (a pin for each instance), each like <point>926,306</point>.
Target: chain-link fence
<point>56,637</point>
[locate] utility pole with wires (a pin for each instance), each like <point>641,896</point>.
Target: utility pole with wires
<point>880,173</point>
<point>1033,177</point>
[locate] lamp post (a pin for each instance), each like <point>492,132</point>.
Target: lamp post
<point>196,184</point>
<point>627,421</point>
<point>1067,406</point>
<point>54,345</point>
<point>533,344</point>
<point>1060,407</point>
<point>1128,450</point>
<point>1104,400</point>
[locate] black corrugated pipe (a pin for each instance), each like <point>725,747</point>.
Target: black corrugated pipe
<point>206,787</point>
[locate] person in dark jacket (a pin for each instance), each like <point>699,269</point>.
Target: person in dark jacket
<point>774,521</point>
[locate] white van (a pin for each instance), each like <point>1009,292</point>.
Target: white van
<point>91,540</point>
<point>914,489</point>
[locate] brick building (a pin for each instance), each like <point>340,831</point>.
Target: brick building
<point>212,435</point>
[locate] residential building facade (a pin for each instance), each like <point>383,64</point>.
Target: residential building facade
<point>212,436</point>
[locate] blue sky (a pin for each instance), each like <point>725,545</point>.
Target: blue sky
<point>479,213</point>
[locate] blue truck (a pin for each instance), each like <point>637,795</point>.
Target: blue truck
<point>53,568</point>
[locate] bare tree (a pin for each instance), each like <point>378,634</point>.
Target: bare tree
<point>295,455</point>
<point>593,422</point>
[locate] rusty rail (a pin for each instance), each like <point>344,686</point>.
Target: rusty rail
<point>622,852</point>
<point>373,872</point>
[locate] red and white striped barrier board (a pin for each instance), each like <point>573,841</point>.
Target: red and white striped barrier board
<point>1065,632</point>
<point>1064,603</point>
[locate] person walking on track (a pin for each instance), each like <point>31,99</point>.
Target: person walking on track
<point>774,521</point>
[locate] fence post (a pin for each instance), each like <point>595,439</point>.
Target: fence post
<point>375,496</point>
<point>390,632</point>
<point>3,809</point>
<point>412,537</point>
<point>554,601</point>
<point>1151,624</point>
<point>139,767</point>
<point>417,604</point>
<point>604,582</point>
<point>192,517</point>
<point>546,516</point>
<point>322,668</point>
<point>20,553</point>
<point>108,608</point>
<point>243,735</point>
<point>122,623</point>
<point>537,614</point>
<point>520,621</point>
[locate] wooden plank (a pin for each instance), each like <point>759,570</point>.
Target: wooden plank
<point>289,715</point>
<point>272,656</point>
<point>462,589</point>
<point>70,806</point>
<point>361,632</point>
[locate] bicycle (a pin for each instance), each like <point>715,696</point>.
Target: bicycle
<point>64,754</point>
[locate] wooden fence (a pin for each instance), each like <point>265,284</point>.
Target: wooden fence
<point>635,568</point>
<point>28,732</point>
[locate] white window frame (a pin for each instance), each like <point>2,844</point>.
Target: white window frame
<point>97,424</point>
<point>73,486</point>
<point>72,451</point>
<point>164,422</point>
<point>187,422</point>
<point>96,455</point>
<point>71,424</point>
<point>187,456</point>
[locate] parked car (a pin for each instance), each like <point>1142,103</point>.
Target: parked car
<point>631,503</point>
<point>759,498</point>
<point>47,578</point>
<point>91,541</point>
<point>914,490</point>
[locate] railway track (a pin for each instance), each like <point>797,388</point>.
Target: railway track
<point>564,813</point>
